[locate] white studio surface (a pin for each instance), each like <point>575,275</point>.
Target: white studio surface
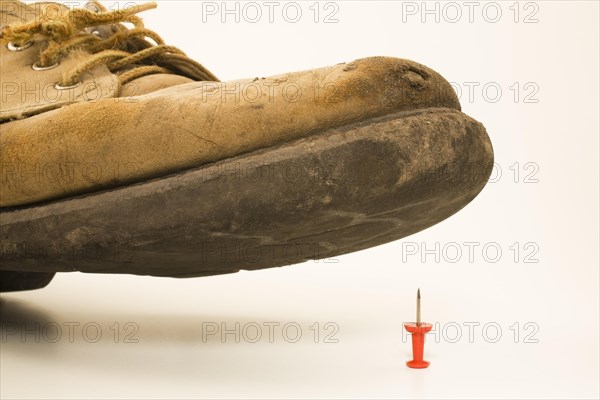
<point>511,281</point>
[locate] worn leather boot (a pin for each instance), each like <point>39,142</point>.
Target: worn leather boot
<point>120,154</point>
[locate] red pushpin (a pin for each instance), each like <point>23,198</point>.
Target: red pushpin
<point>418,331</point>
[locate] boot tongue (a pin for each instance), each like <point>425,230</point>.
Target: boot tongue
<point>186,70</point>
<point>152,83</point>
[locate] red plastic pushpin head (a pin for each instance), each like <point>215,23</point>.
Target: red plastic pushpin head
<point>418,330</point>
<point>418,343</point>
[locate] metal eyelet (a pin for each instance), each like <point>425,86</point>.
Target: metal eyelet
<point>14,47</point>
<point>92,7</point>
<point>37,67</point>
<point>58,86</point>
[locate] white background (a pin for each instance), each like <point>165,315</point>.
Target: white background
<point>550,209</point>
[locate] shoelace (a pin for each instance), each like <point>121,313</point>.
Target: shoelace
<point>126,52</point>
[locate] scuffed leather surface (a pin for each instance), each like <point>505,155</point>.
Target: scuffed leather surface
<point>88,146</point>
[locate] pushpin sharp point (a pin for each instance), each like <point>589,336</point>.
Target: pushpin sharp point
<point>419,306</point>
<point>418,331</point>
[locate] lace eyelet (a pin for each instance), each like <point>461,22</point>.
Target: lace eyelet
<point>58,86</point>
<point>14,47</point>
<point>92,7</point>
<point>37,67</point>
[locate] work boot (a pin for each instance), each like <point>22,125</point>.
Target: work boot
<point>120,154</point>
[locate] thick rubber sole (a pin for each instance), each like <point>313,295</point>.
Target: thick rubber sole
<point>332,193</point>
<point>16,281</point>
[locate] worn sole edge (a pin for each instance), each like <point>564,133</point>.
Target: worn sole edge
<point>53,236</point>
<point>18,281</point>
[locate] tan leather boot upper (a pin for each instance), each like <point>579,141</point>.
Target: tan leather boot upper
<point>98,118</point>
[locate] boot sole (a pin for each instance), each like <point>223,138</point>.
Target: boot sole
<point>333,193</point>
